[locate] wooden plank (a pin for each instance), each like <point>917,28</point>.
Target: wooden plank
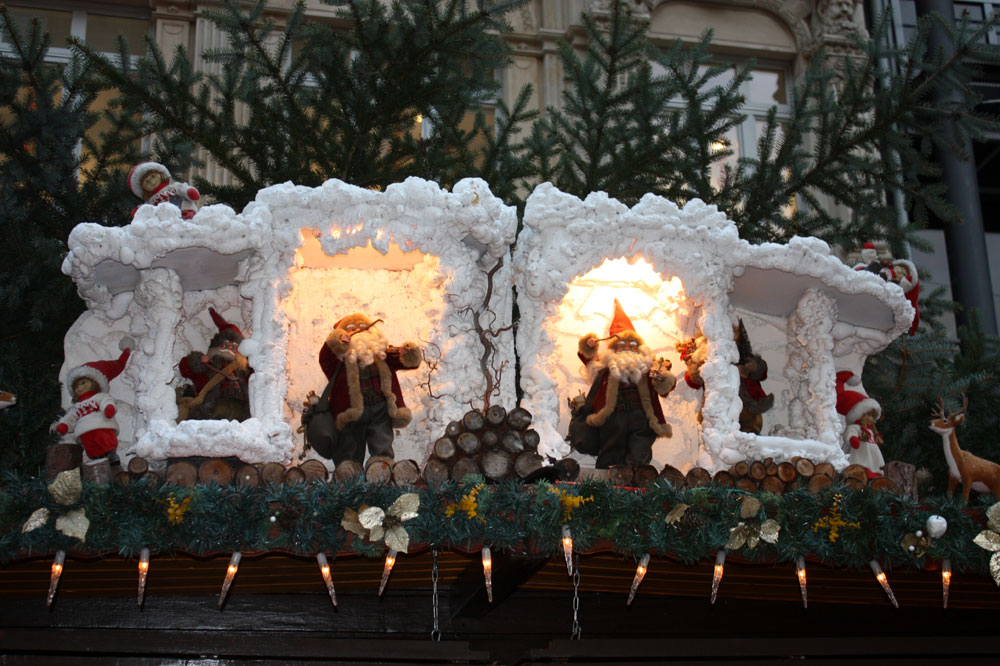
<point>467,592</point>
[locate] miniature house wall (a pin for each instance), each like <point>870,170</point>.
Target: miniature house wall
<point>284,270</point>
<point>681,271</point>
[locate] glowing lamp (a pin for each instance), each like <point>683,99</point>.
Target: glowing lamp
<point>57,569</point>
<point>234,565</point>
<point>800,571</point>
<point>488,572</point>
<point>640,573</point>
<point>720,563</point>
<point>945,580</point>
<point>567,544</point>
<point>143,572</point>
<point>883,581</point>
<point>324,569</point>
<point>390,562</point>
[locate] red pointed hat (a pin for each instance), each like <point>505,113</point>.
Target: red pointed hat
<point>853,404</point>
<point>223,324</point>
<point>102,372</point>
<point>620,322</point>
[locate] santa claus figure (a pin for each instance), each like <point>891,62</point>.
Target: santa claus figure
<point>861,439</point>
<point>869,259</point>
<point>904,273</point>
<point>621,416</point>
<point>220,377</point>
<point>366,400</point>
<point>151,182</point>
<point>753,370</point>
<point>91,419</point>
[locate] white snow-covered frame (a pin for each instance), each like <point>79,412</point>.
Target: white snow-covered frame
<point>154,279</point>
<point>835,316</point>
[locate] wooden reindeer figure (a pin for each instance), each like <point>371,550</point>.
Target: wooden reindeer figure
<point>973,472</point>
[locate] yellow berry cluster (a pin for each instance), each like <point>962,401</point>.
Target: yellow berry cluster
<point>833,520</point>
<point>568,501</point>
<point>176,510</point>
<point>469,504</point>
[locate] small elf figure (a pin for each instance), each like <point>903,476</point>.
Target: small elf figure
<point>904,273</point>
<point>861,439</point>
<point>91,419</point>
<point>151,182</point>
<point>869,259</point>
<point>753,370</point>
<point>221,377</point>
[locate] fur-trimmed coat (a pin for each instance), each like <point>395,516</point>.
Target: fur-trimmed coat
<point>607,395</point>
<point>862,449</point>
<point>346,400</point>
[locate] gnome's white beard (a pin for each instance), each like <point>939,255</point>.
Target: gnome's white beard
<point>627,367</point>
<point>367,346</point>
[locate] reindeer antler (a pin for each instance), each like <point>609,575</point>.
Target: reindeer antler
<point>939,410</point>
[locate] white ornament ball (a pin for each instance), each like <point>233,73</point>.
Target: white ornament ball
<point>919,533</point>
<point>911,548</point>
<point>936,526</point>
<point>274,519</point>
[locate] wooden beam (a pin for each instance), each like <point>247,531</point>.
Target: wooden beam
<point>467,594</point>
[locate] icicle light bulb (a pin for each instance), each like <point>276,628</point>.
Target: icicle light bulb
<point>567,543</point>
<point>143,572</point>
<point>720,563</point>
<point>57,569</point>
<point>640,573</point>
<point>390,562</point>
<point>945,581</point>
<point>234,565</point>
<point>488,572</point>
<point>883,581</point>
<point>800,571</point>
<point>324,569</point>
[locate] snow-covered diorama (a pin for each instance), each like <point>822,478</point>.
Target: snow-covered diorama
<point>287,268</point>
<point>681,273</point>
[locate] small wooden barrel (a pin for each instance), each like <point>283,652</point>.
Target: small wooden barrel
<point>772,484</point>
<point>512,441</point>
<point>824,468</point>
<point>453,429</point>
<point>805,467</point>
<point>378,469</point>
<point>247,476</point>
<point>444,448</point>
<point>469,443</point>
<point>724,479</point>
<point>405,473</point>
<point>818,483</point>
<point>435,472</point>
<point>215,470</point>
<point>758,470</point>
<point>698,477</point>
<point>740,469</point>
<point>348,469</point>
<point>857,473</point>
<point>295,475</point>
<point>314,470</point>
<point>490,438</point>
<point>182,473</point>
<point>531,439</point>
<point>465,466</point>
<point>787,472</point>
<point>272,472</point>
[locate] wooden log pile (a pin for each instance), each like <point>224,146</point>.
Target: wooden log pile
<point>494,443</point>
<point>773,477</point>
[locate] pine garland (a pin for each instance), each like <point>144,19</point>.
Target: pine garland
<point>841,528</point>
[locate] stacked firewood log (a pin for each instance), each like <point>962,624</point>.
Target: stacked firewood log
<point>769,476</point>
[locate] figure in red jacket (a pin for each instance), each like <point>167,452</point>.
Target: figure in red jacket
<point>621,416</point>
<point>151,182</point>
<point>366,400</point>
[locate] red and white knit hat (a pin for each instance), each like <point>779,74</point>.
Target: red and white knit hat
<point>869,253</point>
<point>136,174</point>
<point>853,404</point>
<point>102,372</point>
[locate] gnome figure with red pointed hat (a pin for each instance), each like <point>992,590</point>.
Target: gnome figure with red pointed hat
<point>621,416</point>
<point>151,182</point>
<point>221,377</point>
<point>366,400</point>
<point>91,419</point>
<point>861,439</point>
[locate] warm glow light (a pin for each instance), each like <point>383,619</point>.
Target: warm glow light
<point>640,573</point>
<point>720,562</point>
<point>883,581</point>
<point>234,563</point>
<point>419,119</point>
<point>57,569</point>
<point>143,572</point>
<point>800,571</point>
<point>488,572</point>
<point>390,561</point>
<point>717,146</point>
<point>567,544</point>
<point>945,581</point>
<point>324,569</point>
